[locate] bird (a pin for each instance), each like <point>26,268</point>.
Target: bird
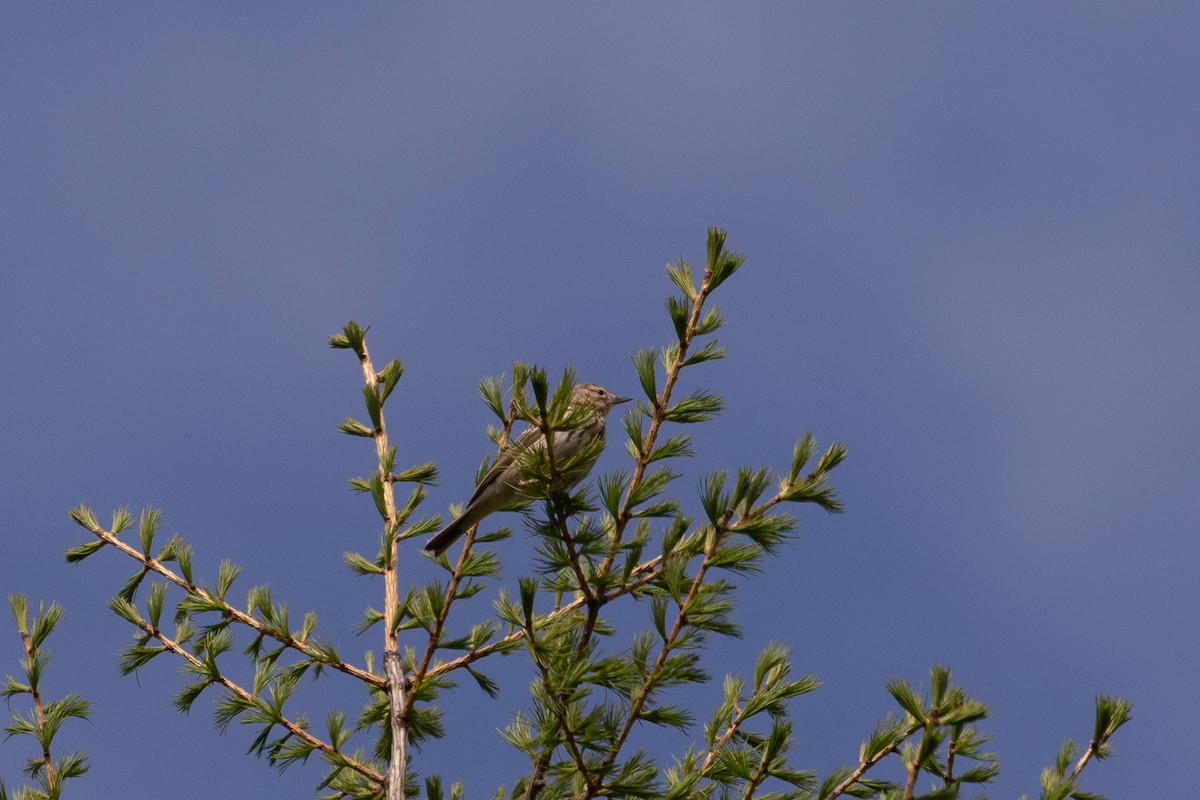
<point>504,487</point>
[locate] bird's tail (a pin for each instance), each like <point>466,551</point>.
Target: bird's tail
<point>448,535</point>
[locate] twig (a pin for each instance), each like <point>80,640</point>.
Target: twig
<point>39,709</point>
<point>451,593</point>
<point>731,730</point>
<point>251,699</point>
<point>392,664</point>
<point>558,705</point>
<point>656,420</point>
<point>647,572</point>
<point>866,763</point>
<point>643,693</point>
<point>755,780</point>
<point>560,517</point>
<point>237,615</point>
<point>914,769</point>
<point>1088,754</point>
<point>439,624</point>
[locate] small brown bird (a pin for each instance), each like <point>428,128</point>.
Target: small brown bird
<point>503,487</point>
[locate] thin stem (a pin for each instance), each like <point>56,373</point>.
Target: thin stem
<point>643,692</point>
<point>756,780</point>
<point>573,555</point>
<point>914,769</point>
<point>39,709</point>
<point>866,763</point>
<point>294,729</point>
<point>731,730</point>
<point>655,567</point>
<point>657,418</point>
<point>557,513</point>
<point>439,624</point>
<point>232,612</point>
<point>536,783</point>
<point>509,421</point>
<point>951,750</point>
<point>1088,754</point>
<point>393,666</point>
<point>451,593</point>
<point>647,572</point>
<point>559,706</point>
<point>721,530</point>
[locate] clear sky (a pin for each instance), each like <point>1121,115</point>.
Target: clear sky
<point>973,257</point>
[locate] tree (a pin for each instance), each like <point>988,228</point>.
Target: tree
<point>45,717</point>
<point>621,540</point>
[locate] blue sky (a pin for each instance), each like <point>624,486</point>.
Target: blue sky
<point>973,258</point>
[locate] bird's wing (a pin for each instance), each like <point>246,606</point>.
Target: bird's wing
<point>526,440</point>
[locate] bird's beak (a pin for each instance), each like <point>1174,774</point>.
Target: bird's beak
<point>618,400</point>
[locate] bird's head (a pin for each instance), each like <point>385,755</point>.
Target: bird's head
<point>590,395</point>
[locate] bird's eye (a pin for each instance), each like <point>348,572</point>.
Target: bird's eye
<point>600,392</point>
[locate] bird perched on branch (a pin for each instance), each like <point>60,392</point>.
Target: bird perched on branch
<point>575,450</point>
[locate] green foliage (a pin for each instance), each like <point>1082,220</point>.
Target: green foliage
<point>45,718</point>
<point>1061,780</point>
<point>595,684</point>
